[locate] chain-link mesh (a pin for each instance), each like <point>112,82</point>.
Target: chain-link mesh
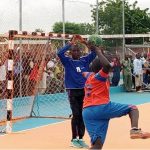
<point>3,74</point>
<point>38,79</point>
<point>51,99</point>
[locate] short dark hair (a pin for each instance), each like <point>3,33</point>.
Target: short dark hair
<point>77,46</point>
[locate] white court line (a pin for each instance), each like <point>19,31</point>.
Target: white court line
<point>34,128</point>
<point>51,124</point>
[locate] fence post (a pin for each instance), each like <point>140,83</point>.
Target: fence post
<point>10,82</point>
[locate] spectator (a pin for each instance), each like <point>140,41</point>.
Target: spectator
<point>133,76</point>
<point>116,68</point>
<point>43,79</point>
<point>59,83</point>
<point>25,74</point>
<point>127,74</point>
<point>138,72</point>
<point>2,79</point>
<point>145,70</point>
<point>33,77</point>
<point>148,68</point>
<point>18,69</point>
<point>50,69</point>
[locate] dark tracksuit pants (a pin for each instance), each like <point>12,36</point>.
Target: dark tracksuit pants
<point>76,103</point>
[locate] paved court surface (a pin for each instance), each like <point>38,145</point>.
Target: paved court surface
<point>57,136</point>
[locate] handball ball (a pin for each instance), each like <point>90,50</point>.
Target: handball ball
<point>95,40</point>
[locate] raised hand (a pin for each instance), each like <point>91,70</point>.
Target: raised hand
<point>77,38</point>
<point>73,40</point>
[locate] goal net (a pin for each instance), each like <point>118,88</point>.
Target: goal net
<point>136,48</point>
<point>38,88</point>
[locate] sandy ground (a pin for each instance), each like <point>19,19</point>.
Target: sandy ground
<point>57,136</point>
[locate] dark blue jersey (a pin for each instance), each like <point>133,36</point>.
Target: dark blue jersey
<point>74,68</point>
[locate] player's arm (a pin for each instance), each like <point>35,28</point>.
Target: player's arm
<point>86,74</point>
<point>61,52</point>
<point>91,56</point>
<point>106,66</point>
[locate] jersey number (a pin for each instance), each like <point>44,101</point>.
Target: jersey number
<point>78,69</point>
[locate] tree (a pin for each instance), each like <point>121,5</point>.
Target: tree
<point>137,21</point>
<point>110,18</point>
<point>74,28</point>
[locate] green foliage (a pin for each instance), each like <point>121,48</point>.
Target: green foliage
<point>95,40</point>
<point>74,28</point>
<point>110,21</point>
<point>110,18</point>
<point>86,28</point>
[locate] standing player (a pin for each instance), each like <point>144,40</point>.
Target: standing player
<point>98,109</point>
<point>74,83</point>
